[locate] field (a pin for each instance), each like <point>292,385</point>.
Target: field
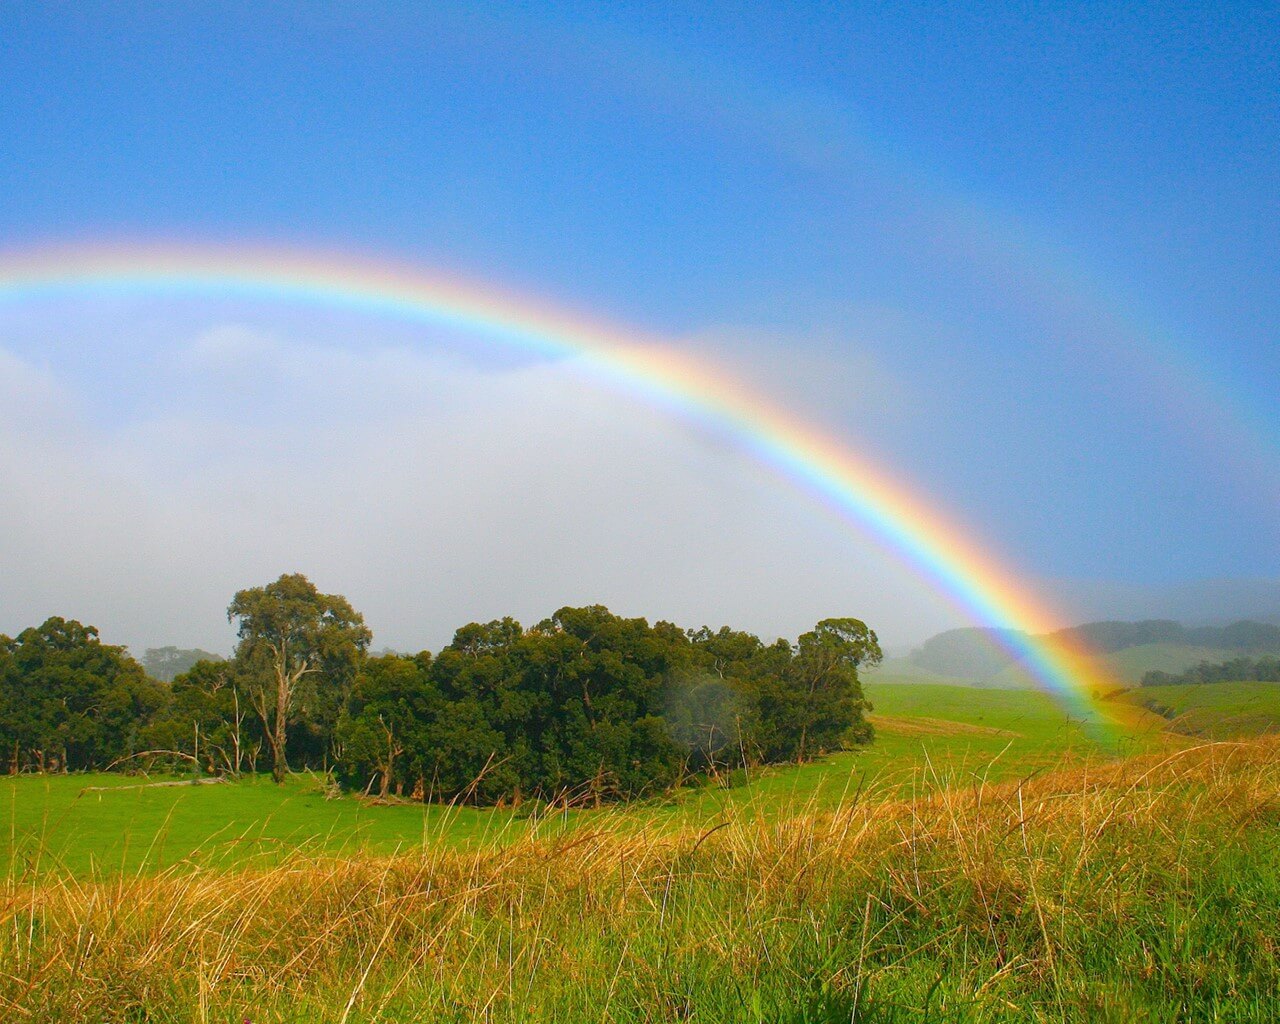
<point>1216,711</point>
<point>983,861</point>
<point>91,824</point>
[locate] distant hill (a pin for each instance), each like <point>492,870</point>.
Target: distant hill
<point>979,657</point>
<point>1107,637</point>
<point>164,663</point>
<point>966,653</point>
<point>1195,601</point>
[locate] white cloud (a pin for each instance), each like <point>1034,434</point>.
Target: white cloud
<point>28,392</point>
<point>429,490</point>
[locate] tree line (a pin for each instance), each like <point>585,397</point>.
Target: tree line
<point>1108,637</point>
<point>584,705</point>
<point>1235,670</point>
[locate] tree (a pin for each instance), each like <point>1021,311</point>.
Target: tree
<point>69,701</point>
<point>390,708</point>
<point>827,662</point>
<point>702,716</point>
<point>291,634</point>
<point>204,718</point>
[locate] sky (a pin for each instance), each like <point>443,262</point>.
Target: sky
<point>1024,260</point>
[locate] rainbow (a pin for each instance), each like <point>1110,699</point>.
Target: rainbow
<point>859,493</point>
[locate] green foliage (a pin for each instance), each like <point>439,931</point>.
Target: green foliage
<point>584,707</point>
<point>299,650</point>
<point>209,718</point>
<point>384,721</point>
<point>1260,670</point>
<point>590,706</point>
<point>68,701</point>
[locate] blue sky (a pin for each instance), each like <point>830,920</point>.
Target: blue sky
<point>1026,259</point>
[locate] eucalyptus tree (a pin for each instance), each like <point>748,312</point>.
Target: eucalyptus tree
<point>206,719</point>
<point>69,701</point>
<point>826,668</point>
<point>295,644</point>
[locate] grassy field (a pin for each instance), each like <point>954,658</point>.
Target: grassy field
<point>1145,889</point>
<point>101,824</point>
<point>983,861</point>
<point>1214,711</point>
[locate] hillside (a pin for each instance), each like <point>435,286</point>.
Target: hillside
<point>1128,650</point>
<point>1215,710</point>
<point>104,822</point>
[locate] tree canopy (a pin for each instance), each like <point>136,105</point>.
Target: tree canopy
<point>299,649</point>
<point>69,701</point>
<point>592,706</point>
<point>585,705</point>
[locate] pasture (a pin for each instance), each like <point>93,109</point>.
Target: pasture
<point>1139,889</point>
<point>927,737</point>
<point>1215,710</point>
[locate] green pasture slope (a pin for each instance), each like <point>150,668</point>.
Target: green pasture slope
<point>927,736</point>
<point>104,823</point>
<point>1214,710</point>
<point>1128,666</point>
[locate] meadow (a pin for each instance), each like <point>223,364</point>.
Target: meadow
<point>985,860</point>
<point>1214,711</point>
<point>95,824</point>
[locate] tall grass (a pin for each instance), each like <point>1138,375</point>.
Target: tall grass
<point>1144,890</point>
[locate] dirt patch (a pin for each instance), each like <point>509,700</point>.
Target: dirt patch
<point>920,726</point>
<point>212,781</point>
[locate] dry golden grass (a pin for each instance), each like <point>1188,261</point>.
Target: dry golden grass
<point>987,902</point>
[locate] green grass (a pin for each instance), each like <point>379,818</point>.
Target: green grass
<point>922,731</point>
<point>113,824</point>
<point>983,862</point>
<point>1142,890</point>
<point>102,824</point>
<point>1214,710</point>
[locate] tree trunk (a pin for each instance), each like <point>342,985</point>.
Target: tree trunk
<point>279,737</point>
<point>235,736</point>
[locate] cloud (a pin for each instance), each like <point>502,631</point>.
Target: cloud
<point>27,391</point>
<point>430,490</point>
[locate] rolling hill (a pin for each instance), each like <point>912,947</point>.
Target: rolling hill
<point>1128,650</point>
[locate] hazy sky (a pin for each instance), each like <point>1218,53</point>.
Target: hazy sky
<point>1028,262</point>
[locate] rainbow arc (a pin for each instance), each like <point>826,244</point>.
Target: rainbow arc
<point>860,493</point>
